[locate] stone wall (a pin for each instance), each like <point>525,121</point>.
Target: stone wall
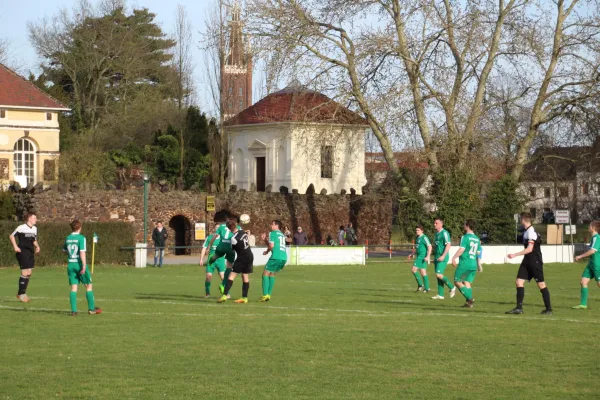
<point>319,215</point>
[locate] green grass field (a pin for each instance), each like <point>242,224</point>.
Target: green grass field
<point>343,332</point>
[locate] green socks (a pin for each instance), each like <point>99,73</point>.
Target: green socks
<point>207,287</point>
<point>448,283</point>
<point>265,285</point>
<point>73,299</point>
<point>418,278</point>
<point>271,284</point>
<point>584,296</point>
<point>426,282</point>
<point>440,287</point>
<point>468,293</point>
<point>90,299</point>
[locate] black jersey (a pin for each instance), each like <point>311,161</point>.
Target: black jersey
<point>531,236</point>
<point>241,245</point>
<point>25,236</point>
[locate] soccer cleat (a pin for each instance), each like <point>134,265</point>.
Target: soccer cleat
<point>468,304</point>
<point>426,290</point>
<point>453,292</point>
<point>546,312</point>
<point>265,298</point>
<point>243,300</point>
<point>515,311</point>
<point>207,296</point>
<point>228,296</point>
<point>420,289</point>
<point>579,307</point>
<point>95,311</point>
<point>73,313</point>
<point>222,289</point>
<point>23,298</point>
<point>222,299</point>
<point>438,297</point>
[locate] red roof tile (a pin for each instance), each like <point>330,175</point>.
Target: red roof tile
<point>16,91</point>
<point>295,104</point>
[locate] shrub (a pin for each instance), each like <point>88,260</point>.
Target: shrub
<point>51,236</point>
<point>501,204</point>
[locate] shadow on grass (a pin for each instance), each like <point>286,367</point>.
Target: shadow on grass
<point>172,297</point>
<point>425,307</point>
<point>28,310</point>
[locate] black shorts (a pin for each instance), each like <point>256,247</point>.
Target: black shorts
<point>531,270</point>
<point>243,265</point>
<point>25,259</point>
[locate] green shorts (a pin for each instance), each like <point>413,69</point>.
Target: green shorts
<point>591,272</point>
<point>440,267</point>
<point>75,278</point>
<point>420,263</point>
<point>224,249</point>
<point>219,265</point>
<point>464,275</point>
<point>275,265</point>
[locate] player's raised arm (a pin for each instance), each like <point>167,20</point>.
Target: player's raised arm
<point>525,251</point>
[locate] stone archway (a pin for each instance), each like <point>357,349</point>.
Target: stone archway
<point>181,227</point>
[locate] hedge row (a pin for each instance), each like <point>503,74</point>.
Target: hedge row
<point>51,237</point>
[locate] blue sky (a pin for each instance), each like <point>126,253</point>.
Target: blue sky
<point>14,16</point>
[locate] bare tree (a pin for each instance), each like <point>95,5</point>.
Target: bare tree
<point>3,50</point>
<point>183,67</point>
<point>569,68</point>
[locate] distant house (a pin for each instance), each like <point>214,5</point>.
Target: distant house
<point>29,131</point>
<point>294,138</point>
<point>564,178</point>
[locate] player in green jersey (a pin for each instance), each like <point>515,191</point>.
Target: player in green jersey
<point>75,247</point>
<point>422,254</point>
<point>219,264</point>
<point>276,245</point>
<point>224,248</point>
<point>592,270</point>
<point>467,262</point>
<point>441,257</point>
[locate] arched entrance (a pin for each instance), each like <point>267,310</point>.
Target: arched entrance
<point>182,228</point>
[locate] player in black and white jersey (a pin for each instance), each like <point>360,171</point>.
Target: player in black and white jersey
<point>242,264</point>
<point>532,266</point>
<point>24,241</point>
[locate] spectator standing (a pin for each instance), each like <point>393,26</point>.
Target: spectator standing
<point>342,236</point>
<point>300,238</point>
<point>159,237</point>
<point>251,239</point>
<point>350,235</point>
<point>288,235</point>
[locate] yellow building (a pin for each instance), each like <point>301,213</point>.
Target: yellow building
<point>29,131</point>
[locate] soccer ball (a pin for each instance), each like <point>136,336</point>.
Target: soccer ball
<point>244,219</point>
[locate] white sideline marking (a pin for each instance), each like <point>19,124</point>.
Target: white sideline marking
<point>367,313</point>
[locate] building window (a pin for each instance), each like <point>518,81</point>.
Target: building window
<point>563,191</point>
<point>585,188</point>
<point>241,92</point>
<point>24,160</point>
<point>230,90</point>
<point>48,116</point>
<point>532,192</point>
<point>241,105</point>
<point>546,192</point>
<point>326,161</point>
<point>533,212</point>
<point>2,113</point>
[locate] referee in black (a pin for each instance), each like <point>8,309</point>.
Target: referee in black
<point>532,266</point>
<point>243,263</point>
<point>24,242</point>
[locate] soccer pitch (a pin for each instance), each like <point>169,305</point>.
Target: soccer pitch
<point>336,332</point>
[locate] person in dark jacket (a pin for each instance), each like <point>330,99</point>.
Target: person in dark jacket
<point>300,238</point>
<point>159,237</point>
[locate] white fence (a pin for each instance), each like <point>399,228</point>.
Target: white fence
<point>317,255</point>
<point>498,254</point>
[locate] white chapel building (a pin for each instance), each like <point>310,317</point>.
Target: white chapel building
<point>294,138</point>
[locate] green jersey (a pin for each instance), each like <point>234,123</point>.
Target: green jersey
<point>421,244</point>
<point>225,234</point>
<point>75,243</point>
<point>472,248</point>
<point>214,246</point>
<point>442,238</point>
<point>595,245</point>
<point>278,240</point>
